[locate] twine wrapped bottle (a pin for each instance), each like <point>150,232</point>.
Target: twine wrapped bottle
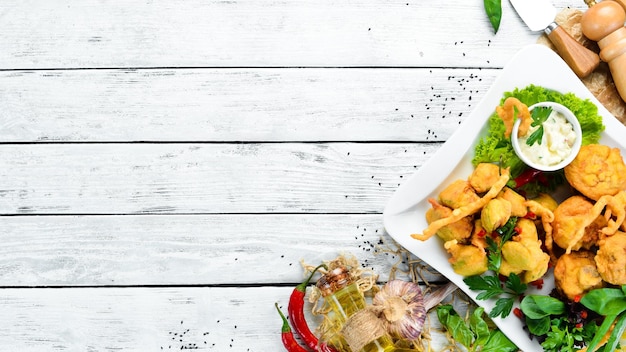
<point>356,328</point>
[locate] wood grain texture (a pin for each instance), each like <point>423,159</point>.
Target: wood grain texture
<point>251,33</point>
<point>187,249</point>
<point>165,166</point>
<point>238,104</point>
<point>204,178</point>
<point>149,319</point>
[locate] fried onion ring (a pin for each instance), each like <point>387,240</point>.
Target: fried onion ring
<point>507,113</point>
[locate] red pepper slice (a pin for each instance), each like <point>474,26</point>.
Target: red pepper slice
<point>527,176</point>
<point>289,341</point>
<point>296,312</point>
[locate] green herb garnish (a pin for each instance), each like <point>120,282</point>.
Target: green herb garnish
<point>494,147</point>
<point>611,303</point>
<point>490,285</point>
<point>494,248</point>
<point>563,337</point>
<point>539,115</point>
<point>475,335</point>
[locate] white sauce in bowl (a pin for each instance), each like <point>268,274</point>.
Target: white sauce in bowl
<point>556,144</point>
<point>561,141</point>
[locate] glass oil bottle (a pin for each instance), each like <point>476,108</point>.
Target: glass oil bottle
<point>342,294</point>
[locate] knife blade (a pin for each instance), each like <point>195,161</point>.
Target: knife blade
<point>539,15</point>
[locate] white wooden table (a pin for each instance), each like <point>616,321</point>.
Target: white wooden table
<point>165,165</point>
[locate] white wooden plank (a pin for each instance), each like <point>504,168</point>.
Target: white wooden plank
<point>238,104</point>
<point>256,33</point>
<point>148,319</point>
<point>187,250</point>
<point>204,178</point>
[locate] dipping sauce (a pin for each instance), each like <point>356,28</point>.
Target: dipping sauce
<point>556,144</point>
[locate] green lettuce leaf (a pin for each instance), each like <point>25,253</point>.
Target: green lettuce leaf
<point>495,148</point>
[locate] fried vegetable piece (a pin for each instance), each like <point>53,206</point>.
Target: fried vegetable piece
<point>611,258</point>
<point>495,214</point>
<point>570,219</point>
<point>509,110</point>
<point>597,170</point>
<point>466,260</point>
<point>459,193</point>
<point>518,202</point>
<point>523,255</point>
<point>576,273</point>
<point>547,201</point>
<point>459,230</point>
<point>484,176</point>
<point>478,235</point>
<point>464,211</point>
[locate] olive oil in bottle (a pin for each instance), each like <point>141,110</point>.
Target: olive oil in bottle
<point>355,329</point>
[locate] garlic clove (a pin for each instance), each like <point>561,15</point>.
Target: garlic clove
<point>403,307</point>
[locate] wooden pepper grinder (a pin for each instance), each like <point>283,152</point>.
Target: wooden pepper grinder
<point>604,22</point>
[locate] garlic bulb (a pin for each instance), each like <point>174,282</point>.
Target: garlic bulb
<point>403,307</point>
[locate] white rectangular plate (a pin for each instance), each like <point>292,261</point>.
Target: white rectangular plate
<point>404,214</point>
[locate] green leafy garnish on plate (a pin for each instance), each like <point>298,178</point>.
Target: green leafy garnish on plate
<point>475,334</point>
<point>493,147</point>
<point>539,115</point>
<point>490,285</point>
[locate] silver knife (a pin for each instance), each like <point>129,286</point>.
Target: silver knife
<point>539,16</point>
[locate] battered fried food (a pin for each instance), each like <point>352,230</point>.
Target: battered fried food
<point>518,206</point>
<point>611,258</point>
<point>459,230</point>
<point>458,194</point>
<point>511,109</point>
<point>495,214</point>
<point>484,176</point>
<point>576,273</point>
<point>570,219</point>
<point>470,209</point>
<point>466,260</point>
<point>597,170</point>
<point>523,254</point>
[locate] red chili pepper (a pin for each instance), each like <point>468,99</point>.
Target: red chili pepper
<point>296,312</point>
<point>537,283</point>
<point>518,313</point>
<point>289,341</point>
<point>527,176</point>
<point>583,314</point>
<point>530,215</point>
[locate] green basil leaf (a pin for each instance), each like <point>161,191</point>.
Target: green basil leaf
<point>443,312</point>
<point>479,326</point>
<point>539,326</point>
<point>455,325</point>
<point>493,8</point>
<point>498,342</point>
<point>616,334</point>
<point>602,330</point>
<point>605,301</point>
<point>539,306</point>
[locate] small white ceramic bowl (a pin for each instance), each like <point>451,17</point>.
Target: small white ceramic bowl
<point>570,117</point>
